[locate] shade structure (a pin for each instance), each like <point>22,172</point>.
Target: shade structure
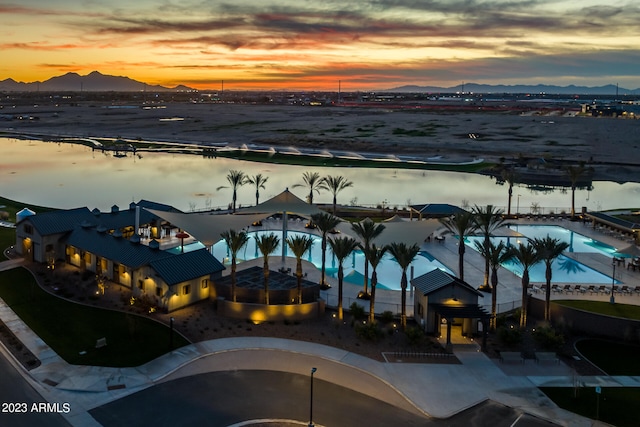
<point>207,227</point>
<point>630,251</point>
<point>283,202</point>
<point>409,232</point>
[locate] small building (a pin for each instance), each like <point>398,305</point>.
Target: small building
<point>109,245</point>
<point>443,300</point>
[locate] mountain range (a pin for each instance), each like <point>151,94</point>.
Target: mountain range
<point>531,89</point>
<point>98,82</point>
<point>92,82</point>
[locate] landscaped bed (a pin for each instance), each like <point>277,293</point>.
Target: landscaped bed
<point>72,330</point>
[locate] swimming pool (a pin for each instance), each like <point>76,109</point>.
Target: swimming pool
<point>389,273</point>
<point>577,242</point>
<point>564,269</point>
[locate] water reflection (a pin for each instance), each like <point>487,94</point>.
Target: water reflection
<point>66,175</point>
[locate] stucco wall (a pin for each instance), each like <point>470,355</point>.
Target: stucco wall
<point>267,313</point>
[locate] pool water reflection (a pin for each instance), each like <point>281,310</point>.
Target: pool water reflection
<point>388,271</point>
<point>564,269</point>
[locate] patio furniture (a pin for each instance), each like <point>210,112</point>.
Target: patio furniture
<point>625,290</point>
<point>511,356</point>
<point>637,290</point>
<point>546,356</point>
<point>556,289</point>
<point>568,289</point>
<point>604,290</point>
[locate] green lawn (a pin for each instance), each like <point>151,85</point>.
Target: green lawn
<point>626,311</point>
<point>617,406</point>
<point>70,328</point>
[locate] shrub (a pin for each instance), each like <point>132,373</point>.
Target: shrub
<point>510,335</point>
<point>548,338</point>
<point>369,331</point>
<point>415,335</point>
<point>386,316</point>
<point>357,311</point>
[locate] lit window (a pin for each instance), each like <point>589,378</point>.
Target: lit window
<point>205,283</point>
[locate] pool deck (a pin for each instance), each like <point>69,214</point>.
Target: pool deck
<point>509,284</point>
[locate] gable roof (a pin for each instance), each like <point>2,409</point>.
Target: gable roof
<point>120,218</point>
<point>437,279</point>
<point>284,202</point>
<point>186,266</point>
<point>62,221</point>
<point>117,249</point>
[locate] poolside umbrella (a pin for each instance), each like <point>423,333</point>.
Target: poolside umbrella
<point>182,235</point>
<point>631,251</point>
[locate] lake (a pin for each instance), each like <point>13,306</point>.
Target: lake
<point>67,175</point>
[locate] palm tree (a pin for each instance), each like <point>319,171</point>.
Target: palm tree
<point>258,181</point>
<point>342,247</point>
<point>313,182</point>
<point>403,255</point>
<point>497,255</point>
<point>549,249</point>
<point>335,184</point>
<point>510,177</point>
<point>373,255</point>
<point>236,179</point>
<point>487,221</point>
<point>367,230</point>
<point>527,257</point>
<point>461,224</point>
<point>575,172</point>
<point>299,245</point>
<point>267,243</point>
<point>235,241</point>
<point>325,223</point>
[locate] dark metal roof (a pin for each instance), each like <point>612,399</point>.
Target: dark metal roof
<point>253,278</point>
<point>462,311</point>
<point>127,217</point>
<point>614,221</point>
<point>437,279</point>
<point>186,266</point>
<point>62,221</point>
<point>117,249</point>
<point>437,209</point>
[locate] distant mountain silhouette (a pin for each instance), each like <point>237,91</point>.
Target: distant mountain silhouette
<point>532,89</point>
<point>92,82</point>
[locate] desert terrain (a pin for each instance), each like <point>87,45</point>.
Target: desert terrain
<point>609,145</point>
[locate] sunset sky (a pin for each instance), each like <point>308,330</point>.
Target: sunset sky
<point>299,44</point>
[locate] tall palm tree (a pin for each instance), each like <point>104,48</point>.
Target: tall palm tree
<point>267,243</point>
<point>236,179</point>
<point>403,255</point>
<point>335,184</point>
<point>299,245</point>
<point>342,248</point>
<point>497,255</point>
<point>325,223</point>
<point>549,249</point>
<point>313,182</point>
<point>575,172</point>
<point>510,177</point>
<point>374,255</point>
<point>235,242</point>
<point>258,181</point>
<point>527,257</point>
<point>487,221</point>
<point>367,230</point>
<point>461,224</point>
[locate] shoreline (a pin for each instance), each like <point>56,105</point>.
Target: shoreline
<point>354,136</point>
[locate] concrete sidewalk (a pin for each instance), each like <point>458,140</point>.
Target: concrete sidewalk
<point>419,388</point>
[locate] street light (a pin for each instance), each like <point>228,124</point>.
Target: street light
<point>518,205</point>
<point>171,333</point>
<point>313,371</point>
<point>612,300</point>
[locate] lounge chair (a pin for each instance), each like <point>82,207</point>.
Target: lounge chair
<point>637,290</point>
<point>556,289</point>
<point>592,289</point>
<point>544,356</point>
<point>568,289</point>
<point>603,290</point>
<point>625,290</point>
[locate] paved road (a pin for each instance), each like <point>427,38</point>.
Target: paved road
<point>16,394</point>
<point>226,398</point>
